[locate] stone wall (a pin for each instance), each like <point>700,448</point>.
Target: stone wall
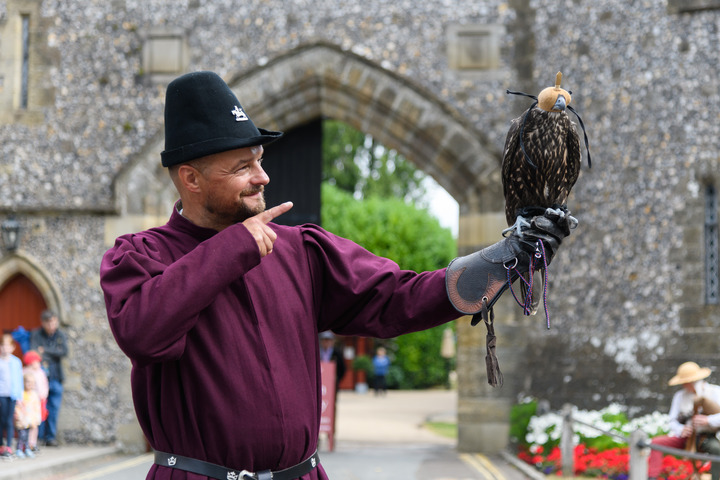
<point>626,297</point>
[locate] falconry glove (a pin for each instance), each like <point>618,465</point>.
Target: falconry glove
<point>475,282</point>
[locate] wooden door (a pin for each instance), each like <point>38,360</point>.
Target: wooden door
<point>21,303</point>
<point>294,165</point>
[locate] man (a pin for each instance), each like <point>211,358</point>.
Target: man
<point>220,310</point>
<point>330,353</point>
<point>51,343</point>
<point>695,410</point>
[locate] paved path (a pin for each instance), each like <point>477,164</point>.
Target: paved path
<point>397,417</point>
<point>378,438</point>
<point>384,438</point>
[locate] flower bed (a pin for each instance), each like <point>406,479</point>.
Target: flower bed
<point>596,455</point>
<point>611,464</point>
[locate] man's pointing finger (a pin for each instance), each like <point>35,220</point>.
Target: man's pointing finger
<point>274,212</point>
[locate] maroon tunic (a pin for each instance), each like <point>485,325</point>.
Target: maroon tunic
<point>224,344</point>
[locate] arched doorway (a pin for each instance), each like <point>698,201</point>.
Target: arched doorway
<point>21,304</point>
<point>324,81</point>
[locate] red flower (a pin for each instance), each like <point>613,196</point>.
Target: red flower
<point>611,464</point>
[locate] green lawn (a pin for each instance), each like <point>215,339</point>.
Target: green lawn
<point>443,429</point>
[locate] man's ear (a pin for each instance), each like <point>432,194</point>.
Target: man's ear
<point>189,178</point>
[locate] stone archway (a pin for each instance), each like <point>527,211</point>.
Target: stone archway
<point>321,80</point>
<point>324,81</point>
<point>20,264</point>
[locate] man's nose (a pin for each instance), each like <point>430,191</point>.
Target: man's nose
<point>260,177</point>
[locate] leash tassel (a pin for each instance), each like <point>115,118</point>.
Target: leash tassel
<point>495,376</point>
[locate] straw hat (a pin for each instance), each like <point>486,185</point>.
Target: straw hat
<point>689,372</point>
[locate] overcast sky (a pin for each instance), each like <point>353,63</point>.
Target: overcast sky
<point>442,205</point>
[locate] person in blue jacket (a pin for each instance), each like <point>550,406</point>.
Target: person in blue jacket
<point>11,390</point>
<point>381,365</point>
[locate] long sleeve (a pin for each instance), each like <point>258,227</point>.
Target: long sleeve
<point>16,378</point>
<point>211,327</point>
<point>153,297</point>
<point>679,405</point>
<point>363,294</point>
<point>57,349</point>
<point>712,392</point>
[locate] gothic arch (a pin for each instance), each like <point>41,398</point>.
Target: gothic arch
<point>21,264</point>
<point>320,81</point>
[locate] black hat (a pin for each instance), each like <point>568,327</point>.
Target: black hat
<point>203,116</point>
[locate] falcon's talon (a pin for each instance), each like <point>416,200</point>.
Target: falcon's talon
<point>520,222</point>
<point>557,211</point>
<point>572,222</point>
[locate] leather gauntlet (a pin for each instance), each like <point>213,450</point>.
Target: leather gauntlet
<point>475,282</point>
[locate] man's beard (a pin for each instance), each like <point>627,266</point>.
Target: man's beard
<point>237,212</point>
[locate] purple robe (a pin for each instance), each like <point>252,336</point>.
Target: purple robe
<point>224,343</point>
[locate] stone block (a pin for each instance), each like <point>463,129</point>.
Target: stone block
<point>488,437</point>
<point>130,438</point>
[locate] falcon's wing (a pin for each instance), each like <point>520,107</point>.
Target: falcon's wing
<point>574,157</point>
<point>512,158</point>
<point>566,167</point>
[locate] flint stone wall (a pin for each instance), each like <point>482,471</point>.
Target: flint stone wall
<point>626,291</point>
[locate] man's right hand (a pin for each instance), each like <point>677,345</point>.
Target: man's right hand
<point>258,228</point>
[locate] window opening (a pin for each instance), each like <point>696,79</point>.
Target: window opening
<point>712,282</point>
<point>24,82</point>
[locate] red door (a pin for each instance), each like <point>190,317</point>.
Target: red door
<point>21,303</point>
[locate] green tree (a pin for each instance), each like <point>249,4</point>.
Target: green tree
<point>412,238</point>
<point>389,227</point>
<point>356,163</point>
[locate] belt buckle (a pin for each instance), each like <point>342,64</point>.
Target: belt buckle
<point>242,475</point>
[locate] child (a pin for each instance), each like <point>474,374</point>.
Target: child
<point>33,365</point>
<point>381,364</point>
<point>11,390</point>
<point>27,417</point>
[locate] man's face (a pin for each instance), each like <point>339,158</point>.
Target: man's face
<point>50,325</point>
<point>233,184</point>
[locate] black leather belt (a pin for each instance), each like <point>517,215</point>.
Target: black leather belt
<point>223,473</point>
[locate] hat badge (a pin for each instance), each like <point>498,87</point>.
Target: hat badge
<point>240,115</point>
<point>172,461</point>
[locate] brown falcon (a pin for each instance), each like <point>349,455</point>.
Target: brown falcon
<point>541,159</point>
<point>541,163</point>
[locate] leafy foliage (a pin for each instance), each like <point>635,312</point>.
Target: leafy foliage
<point>412,238</point>
<point>390,228</point>
<point>520,415</point>
<point>363,363</point>
<point>596,454</point>
<point>418,357</point>
<point>356,163</point>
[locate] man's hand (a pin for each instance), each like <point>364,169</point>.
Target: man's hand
<point>686,431</point>
<point>474,282</point>
<point>700,421</point>
<point>258,228</point>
